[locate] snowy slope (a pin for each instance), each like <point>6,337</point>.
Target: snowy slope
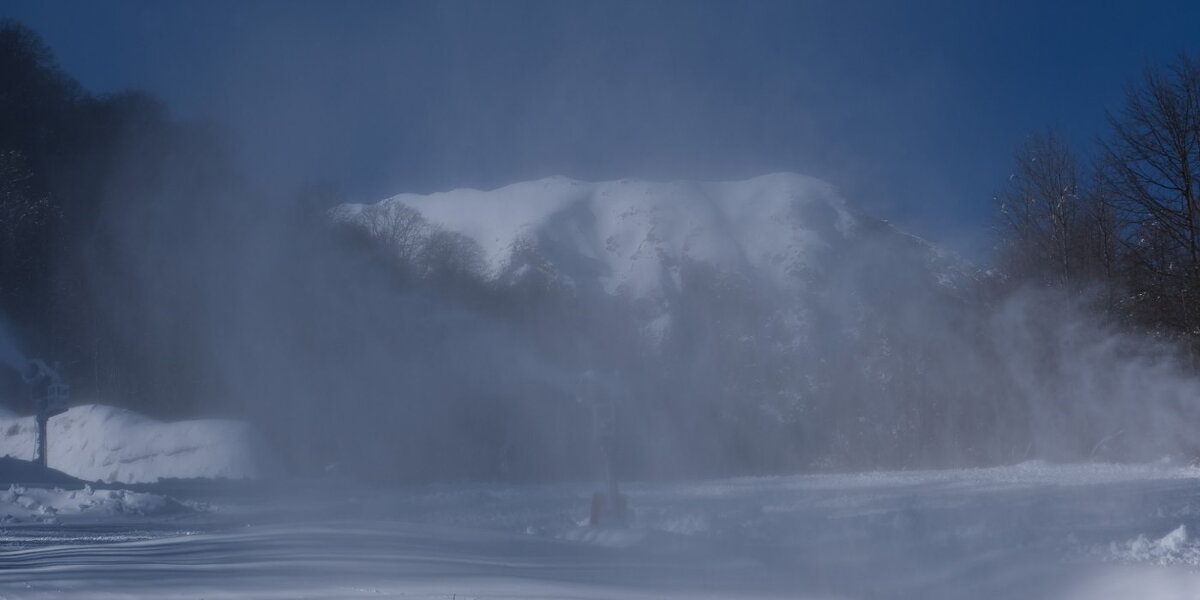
<point>1038,531</point>
<point>783,240</point>
<point>104,443</point>
<point>632,235</point>
<point>771,300</point>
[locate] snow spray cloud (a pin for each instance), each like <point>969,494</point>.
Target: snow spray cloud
<point>387,342</point>
<point>391,353</point>
<point>782,331</point>
<point>956,373</point>
<point>237,302</point>
<point>1091,390</point>
<point>810,336</point>
<point>12,361</point>
<point>10,353</point>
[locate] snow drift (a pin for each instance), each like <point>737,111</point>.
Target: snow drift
<point>20,504</point>
<point>103,443</point>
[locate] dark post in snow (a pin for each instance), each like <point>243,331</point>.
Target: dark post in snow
<point>50,397</point>
<point>608,507</point>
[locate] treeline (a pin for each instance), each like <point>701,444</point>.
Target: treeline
<point>59,153</point>
<point>104,201</point>
<point>1117,224</point>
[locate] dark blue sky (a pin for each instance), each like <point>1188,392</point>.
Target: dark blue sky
<point>913,108</point>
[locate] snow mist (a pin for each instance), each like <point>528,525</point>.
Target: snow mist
<point>10,354</point>
<point>753,327</point>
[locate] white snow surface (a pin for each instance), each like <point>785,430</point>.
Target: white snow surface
<point>19,504</point>
<point>780,235</point>
<point>1038,531</point>
<point>1174,548</point>
<point>103,443</point>
<point>631,234</point>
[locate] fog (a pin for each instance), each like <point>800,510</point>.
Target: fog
<point>611,300</point>
<point>223,266</point>
<point>10,355</point>
<point>381,345</point>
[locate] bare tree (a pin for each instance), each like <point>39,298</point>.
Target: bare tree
<point>1151,166</point>
<point>450,256</point>
<point>399,230</point>
<point>1103,256</point>
<point>1042,212</point>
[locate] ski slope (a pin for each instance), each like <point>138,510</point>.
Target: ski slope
<point>1027,531</point>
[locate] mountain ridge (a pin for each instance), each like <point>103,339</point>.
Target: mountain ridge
<point>630,235</point>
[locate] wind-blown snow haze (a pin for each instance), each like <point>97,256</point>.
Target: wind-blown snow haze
<point>545,222</point>
<point>10,354</point>
<point>754,326</point>
<point>622,299</point>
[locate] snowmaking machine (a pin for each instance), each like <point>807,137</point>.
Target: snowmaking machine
<point>609,507</point>
<point>50,396</point>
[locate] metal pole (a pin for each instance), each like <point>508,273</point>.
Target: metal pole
<point>40,456</point>
<point>50,402</point>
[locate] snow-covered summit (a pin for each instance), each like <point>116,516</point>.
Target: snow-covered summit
<point>632,236</point>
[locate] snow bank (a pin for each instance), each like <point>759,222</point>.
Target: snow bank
<point>1140,582</point>
<point>1174,548</point>
<point>19,504</point>
<point>105,443</point>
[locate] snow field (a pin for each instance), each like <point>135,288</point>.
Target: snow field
<point>1060,532</point>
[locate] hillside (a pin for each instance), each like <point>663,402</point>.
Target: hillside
<point>743,308</point>
<point>631,233</point>
<point>786,233</point>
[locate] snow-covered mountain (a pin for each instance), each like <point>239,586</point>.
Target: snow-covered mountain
<point>784,232</point>
<point>630,235</point>
<point>762,306</point>
<point>761,325</point>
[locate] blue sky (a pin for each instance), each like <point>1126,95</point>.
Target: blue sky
<point>912,108</point>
